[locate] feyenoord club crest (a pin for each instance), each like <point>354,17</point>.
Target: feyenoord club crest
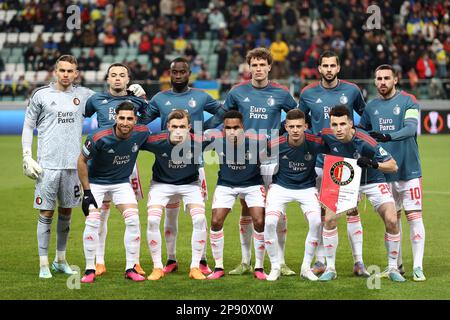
<point>308,156</point>
<point>343,99</point>
<point>356,155</point>
<point>396,110</point>
<point>271,101</point>
<point>342,173</point>
<point>135,148</point>
<point>192,103</point>
<point>76,101</point>
<point>38,200</point>
<point>248,156</point>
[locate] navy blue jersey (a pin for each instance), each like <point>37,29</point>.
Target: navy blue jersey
<point>296,163</point>
<point>104,105</point>
<point>239,163</point>
<point>175,164</point>
<point>261,107</point>
<point>111,159</point>
<point>361,145</point>
<point>193,101</point>
<point>397,116</point>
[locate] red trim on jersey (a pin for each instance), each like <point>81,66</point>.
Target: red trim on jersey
<point>241,84</point>
<point>196,137</point>
<point>309,86</point>
<point>140,128</point>
<point>157,137</point>
<point>255,136</point>
<point>327,131</point>
<point>313,138</point>
<point>366,138</point>
<point>413,97</point>
<point>277,141</point>
<point>198,89</point>
<point>102,134</point>
<point>348,82</point>
<point>277,85</point>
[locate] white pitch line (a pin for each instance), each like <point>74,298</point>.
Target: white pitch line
<point>437,192</point>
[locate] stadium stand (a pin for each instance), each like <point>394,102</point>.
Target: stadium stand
<point>215,35</point>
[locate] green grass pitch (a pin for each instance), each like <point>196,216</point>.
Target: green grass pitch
<point>19,265</point>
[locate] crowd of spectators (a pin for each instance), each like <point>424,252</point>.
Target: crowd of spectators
<point>414,36</point>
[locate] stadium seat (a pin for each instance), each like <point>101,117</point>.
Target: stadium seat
<point>76,52</point>
<point>100,76</point>
<point>57,37</point>
<point>38,28</point>
<point>2,15</point>
<point>33,37</point>
<point>104,66</point>
<point>41,76</point>
<point>10,67</point>
<point>12,37</point>
<point>143,58</point>
<point>46,36</point>
<point>89,75</point>
<point>29,75</point>
<point>20,67</point>
<point>17,75</point>
<point>9,15</point>
<point>68,36</point>
<point>24,38</point>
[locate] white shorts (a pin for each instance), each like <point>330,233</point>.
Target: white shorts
<point>254,196</point>
<point>161,193</point>
<point>319,172</point>
<point>62,185</point>
<point>120,193</point>
<point>377,193</point>
<point>407,194</point>
<point>135,182</point>
<point>278,197</point>
<point>267,171</point>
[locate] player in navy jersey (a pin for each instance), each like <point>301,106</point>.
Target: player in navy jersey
<point>346,141</point>
<point>104,167</point>
<point>392,119</point>
<point>56,111</point>
<point>195,102</point>
<point>239,175</point>
<point>175,176</point>
<point>295,180</point>
<point>103,105</point>
<point>261,103</point>
<point>316,101</point>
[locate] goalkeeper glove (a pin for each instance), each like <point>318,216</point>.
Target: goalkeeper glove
<point>380,137</point>
<point>136,90</point>
<point>31,168</point>
<point>365,162</point>
<point>88,199</point>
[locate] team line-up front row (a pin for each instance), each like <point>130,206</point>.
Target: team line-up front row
<point>108,157</point>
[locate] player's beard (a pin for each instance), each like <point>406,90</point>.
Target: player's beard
<point>327,80</point>
<point>387,93</point>
<point>179,86</point>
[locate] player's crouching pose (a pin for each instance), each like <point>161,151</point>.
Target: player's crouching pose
<point>294,181</point>
<point>112,153</point>
<point>345,140</point>
<point>239,175</point>
<point>175,174</point>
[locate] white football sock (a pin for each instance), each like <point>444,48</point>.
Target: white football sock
<point>103,231</point>
<point>417,236</point>
<point>270,238</point>
<point>330,243</point>
<point>62,235</point>
<point>313,237</point>
<point>171,229</point>
<point>258,241</point>
<point>154,236</point>
<point>245,235</point>
<point>281,236</point>
<point>355,236</point>
<point>217,239</point>
<point>44,228</point>
<point>199,237</point>
<point>90,238</point>
<point>132,237</point>
<point>392,244</point>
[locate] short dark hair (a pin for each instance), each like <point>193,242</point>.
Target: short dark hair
<point>179,114</point>
<point>68,58</point>
<point>386,67</point>
<point>118,64</point>
<point>295,114</point>
<point>180,59</point>
<point>340,110</point>
<point>259,53</point>
<point>126,105</point>
<point>329,54</point>
<point>233,114</point>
